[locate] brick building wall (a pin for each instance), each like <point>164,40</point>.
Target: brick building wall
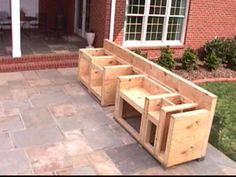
<point>100,20</point>
<point>206,20</point>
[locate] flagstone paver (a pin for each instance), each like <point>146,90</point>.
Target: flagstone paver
<point>11,123</point>
<point>6,143</point>
<point>37,117</point>
<point>37,136</point>
<point>13,162</point>
<point>51,125</point>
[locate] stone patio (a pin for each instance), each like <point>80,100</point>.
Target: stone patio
<point>34,43</point>
<point>50,124</point>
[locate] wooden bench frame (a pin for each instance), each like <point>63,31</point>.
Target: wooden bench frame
<point>186,108</point>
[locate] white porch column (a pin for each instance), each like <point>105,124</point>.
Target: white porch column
<point>112,20</point>
<point>16,31</point>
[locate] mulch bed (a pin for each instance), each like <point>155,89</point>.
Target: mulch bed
<point>203,73</point>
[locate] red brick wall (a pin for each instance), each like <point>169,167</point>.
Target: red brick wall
<point>206,19</point>
<point>99,20</point>
<point>69,12</point>
<point>119,21</point>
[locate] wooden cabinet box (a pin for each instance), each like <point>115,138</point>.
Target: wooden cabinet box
<point>98,71</point>
<point>168,115</point>
<point>131,100</point>
<point>86,56</point>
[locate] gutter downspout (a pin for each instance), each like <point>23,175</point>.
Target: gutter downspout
<point>112,20</point>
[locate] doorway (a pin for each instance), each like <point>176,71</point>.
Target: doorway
<point>81,17</point>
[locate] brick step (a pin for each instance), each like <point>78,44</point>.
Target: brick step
<point>51,64</point>
<point>39,58</point>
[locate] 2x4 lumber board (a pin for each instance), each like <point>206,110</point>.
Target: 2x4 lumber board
<point>96,52</point>
<point>96,90</point>
<point>105,61</point>
<point>181,107</point>
<point>110,81</point>
<point>154,116</point>
<point>95,76</point>
<point>157,101</point>
<point>96,67</point>
<point>122,53</point>
<point>154,87</point>
<point>83,54</point>
<point>186,136</point>
<point>83,71</point>
<point>126,82</point>
<point>113,72</point>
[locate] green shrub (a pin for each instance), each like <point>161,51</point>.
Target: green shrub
<point>166,59</point>
<point>141,53</point>
<point>189,60</point>
<point>225,49</point>
<point>217,46</point>
<point>212,62</point>
<point>230,53</point>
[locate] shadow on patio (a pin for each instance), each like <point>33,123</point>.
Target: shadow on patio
<point>34,43</point>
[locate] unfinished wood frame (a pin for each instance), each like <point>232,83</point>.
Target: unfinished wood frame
<point>204,99</point>
<point>132,92</point>
<point>175,115</point>
<point>98,71</point>
<point>86,56</point>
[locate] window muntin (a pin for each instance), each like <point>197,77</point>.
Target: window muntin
<point>155,20</point>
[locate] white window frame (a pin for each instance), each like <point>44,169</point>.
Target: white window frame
<point>164,42</point>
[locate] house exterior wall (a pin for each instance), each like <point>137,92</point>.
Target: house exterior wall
<point>60,7</point>
<point>100,20</point>
<point>206,20</point>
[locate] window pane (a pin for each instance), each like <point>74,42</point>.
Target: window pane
<point>136,6</point>
<point>154,28</point>
<point>178,7</point>
<point>158,7</point>
<point>133,28</point>
<point>175,28</point>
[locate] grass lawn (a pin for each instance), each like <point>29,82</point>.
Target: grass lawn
<point>223,133</point>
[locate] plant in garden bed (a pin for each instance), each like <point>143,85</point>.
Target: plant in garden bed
<point>214,52</point>
<point>166,59</point>
<point>217,46</point>
<point>212,62</point>
<point>141,53</point>
<point>189,60</point>
<point>222,49</point>
<point>230,53</point>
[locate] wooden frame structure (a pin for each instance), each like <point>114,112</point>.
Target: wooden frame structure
<point>98,71</point>
<point>173,115</point>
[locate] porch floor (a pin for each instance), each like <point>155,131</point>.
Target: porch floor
<point>34,43</point>
<point>50,124</point>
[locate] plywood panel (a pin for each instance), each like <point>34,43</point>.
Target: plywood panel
<point>186,136</point>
